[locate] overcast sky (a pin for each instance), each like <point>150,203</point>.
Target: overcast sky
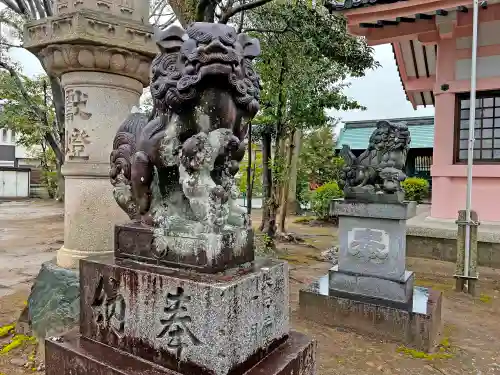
<point>380,90</point>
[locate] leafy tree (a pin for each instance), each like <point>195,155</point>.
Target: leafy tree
<point>13,17</point>
<point>317,156</point>
<point>255,174</point>
<point>306,55</point>
<point>32,120</point>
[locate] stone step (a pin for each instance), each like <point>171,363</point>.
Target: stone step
<point>72,354</point>
<point>167,316</point>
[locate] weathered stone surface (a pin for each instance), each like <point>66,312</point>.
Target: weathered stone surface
<point>54,302</point>
<point>213,322</point>
<point>376,174</point>
<point>91,28</point>
<point>399,211</point>
<point>437,239</point>
<point>372,289</point>
<point>77,356</point>
<point>331,255</point>
<point>418,327</point>
<point>136,241</point>
<point>372,247</point>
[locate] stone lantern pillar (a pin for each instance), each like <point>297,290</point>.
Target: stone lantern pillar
<point>102,51</point>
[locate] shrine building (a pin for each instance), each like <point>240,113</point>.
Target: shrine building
<point>432,45</point>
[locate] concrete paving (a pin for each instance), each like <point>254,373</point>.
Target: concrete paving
<point>31,231</point>
<point>423,225</point>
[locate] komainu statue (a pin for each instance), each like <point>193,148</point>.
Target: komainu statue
<point>175,170</point>
<point>376,174</point>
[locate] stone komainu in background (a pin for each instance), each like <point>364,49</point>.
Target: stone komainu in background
<point>376,175</point>
<point>176,171</point>
<point>369,289</point>
<point>182,293</point>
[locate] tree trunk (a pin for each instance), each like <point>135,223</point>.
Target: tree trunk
<point>279,156</point>
<point>267,182</point>
<point>249,174</point>
<point>272,202</point>
<point>285,190</point>
<point>293,205</point>
<point>184,11</point>
<point>60,184</point>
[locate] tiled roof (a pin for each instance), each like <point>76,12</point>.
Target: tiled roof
<point>339,5</point>
<point>356,134</point>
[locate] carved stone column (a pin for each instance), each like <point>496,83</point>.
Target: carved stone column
<point>102,51</point>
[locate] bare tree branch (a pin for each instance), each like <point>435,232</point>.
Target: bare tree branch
<point>240,8</point>
<point>200,9</point>
<point>32,7</point>
<point>11,5</point>
<point>47,4</point>
<point>265,31</point>
<point>242,19</point>
<point>58,100</point>
<point>10,45</point>
<point>40,9</point>
<point>25,10</point>
<point>170,21</point>
<point>12,24</point>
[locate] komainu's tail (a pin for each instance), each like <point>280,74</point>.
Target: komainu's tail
<point>124,147</point>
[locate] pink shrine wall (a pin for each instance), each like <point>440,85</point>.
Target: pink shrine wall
<point>453,68</point>
<point>453,36</point>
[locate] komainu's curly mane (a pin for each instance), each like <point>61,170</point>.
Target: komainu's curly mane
<point>202,79</point>
<point>380,168</point>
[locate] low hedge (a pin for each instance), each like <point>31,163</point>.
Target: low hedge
<point>416,189</point>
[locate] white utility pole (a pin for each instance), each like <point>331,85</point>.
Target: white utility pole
<point>472,121</point>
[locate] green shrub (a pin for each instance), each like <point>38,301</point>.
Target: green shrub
<point>49,181</point>
<point>322,198</point>
<point>416,189</point>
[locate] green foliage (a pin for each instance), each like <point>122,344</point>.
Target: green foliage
<point>22,116</point>
<point>303,193</point>
<point>256,174</point>
<point>305,54</point>
<point>317,156</point>
<point>416,189</point>
<point>322,198</point>
<point>304,219</point>
<point>50,181</point>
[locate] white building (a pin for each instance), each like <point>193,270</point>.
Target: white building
<point>13,155</point>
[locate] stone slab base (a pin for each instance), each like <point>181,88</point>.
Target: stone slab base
<point>419,328</point>
<point>135,241</point>
<point>54,301</point>
<point>78,356</point>
<point>445,249</point>
<point>372,289</point>
<point>432,238</point>
<point>166,315</point>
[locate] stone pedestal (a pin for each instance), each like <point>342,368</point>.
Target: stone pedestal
<point>102,52</point>
<point>370,288</point>
<point>135,241</point>
<point>174,321</point>
<point>372,252</point>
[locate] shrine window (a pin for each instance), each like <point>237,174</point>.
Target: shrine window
<point>486,129</point>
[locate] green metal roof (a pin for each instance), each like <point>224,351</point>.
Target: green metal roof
<point>356,134</point>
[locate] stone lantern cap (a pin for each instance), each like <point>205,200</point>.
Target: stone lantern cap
<point>87,40</point>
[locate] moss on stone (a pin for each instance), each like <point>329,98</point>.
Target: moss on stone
<point>16,342</point>
<point>304,219</point>
<point>6,330</point>
<point>440,286</point>
<point>485,298</point>
<point>444,351</point>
